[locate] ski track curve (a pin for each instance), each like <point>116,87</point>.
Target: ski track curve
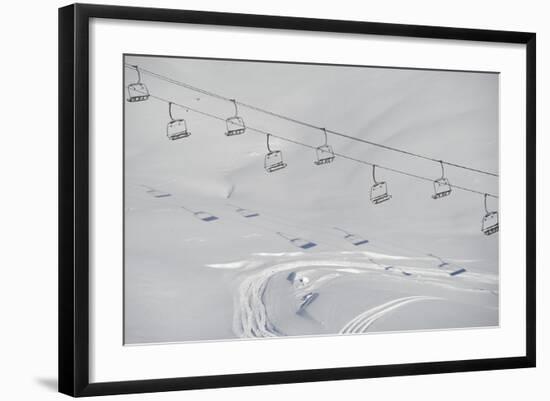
<point>363,321</point>
<point>251,320</point>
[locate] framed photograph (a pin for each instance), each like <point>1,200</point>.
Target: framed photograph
<point>251,199</point>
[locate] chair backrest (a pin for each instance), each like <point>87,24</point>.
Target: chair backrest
<point>441,185</point>
<point>234,123</point>
<point>137,90</point>
<point>489,220</point>
<point>273,157</point>
<point>176,126</point>
<point>324,151</point>
<point>379,189</point>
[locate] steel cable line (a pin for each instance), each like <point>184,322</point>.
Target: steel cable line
<point>263,132</point>
<point>306,124</point>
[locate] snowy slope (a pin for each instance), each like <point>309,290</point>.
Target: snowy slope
<point>187,279</point>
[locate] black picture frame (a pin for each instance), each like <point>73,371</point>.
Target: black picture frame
<point>74,194</point>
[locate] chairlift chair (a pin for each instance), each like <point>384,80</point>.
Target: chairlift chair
<point>273,160</point>
<point>137,92</point>
<point>324,153</point>
<point>235,125</point>
<point>442,186</point>
<point>379,191</point>
<point>176,128</point>
<point>489,223</point>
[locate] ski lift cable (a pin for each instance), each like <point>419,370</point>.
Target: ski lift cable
<point>344,156</point>
<point>309,125</point>
<point>257,130</point>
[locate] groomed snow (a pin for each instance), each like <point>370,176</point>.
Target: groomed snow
<point>196,269</point>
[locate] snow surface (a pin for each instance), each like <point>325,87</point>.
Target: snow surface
<point>190,277</point>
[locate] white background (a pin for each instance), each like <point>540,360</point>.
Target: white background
<point>28,215</point>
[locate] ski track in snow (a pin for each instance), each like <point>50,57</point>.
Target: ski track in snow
<point>240,264</point>
<point>363,321</point>
<point>251,318</point>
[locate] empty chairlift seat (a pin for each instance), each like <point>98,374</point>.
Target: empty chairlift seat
<point>324,153</point>
<point>442,186</point>
<point>379,190</point>
<point>379,193</point>
<point>137,92</point>
<point>176,128</point>
<point>489,222</point>
<point>235,125</point>
<point>273,160</point>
